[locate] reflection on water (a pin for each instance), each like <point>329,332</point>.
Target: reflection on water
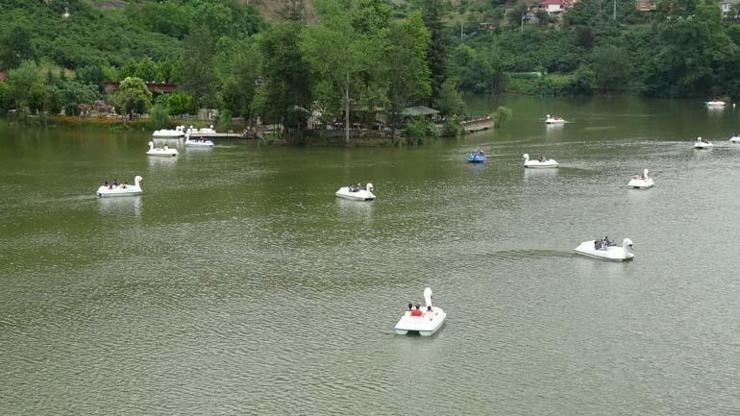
<point>120,206</point>
<point>355,210</point>
<point>530,173</point>
<point>169,142</point>
<point>161,161</point>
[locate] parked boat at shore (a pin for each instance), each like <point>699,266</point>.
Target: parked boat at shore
<point>178,132</point>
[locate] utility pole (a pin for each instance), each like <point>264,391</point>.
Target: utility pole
<point>461,29</point>
<point>614,16</point>
<point>521,28</point>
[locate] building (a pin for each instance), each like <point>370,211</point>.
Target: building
<point>646,5</point>
<point>729,8</point>
<point>553,7</point>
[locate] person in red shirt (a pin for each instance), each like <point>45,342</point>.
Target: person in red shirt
<point>416,311</point>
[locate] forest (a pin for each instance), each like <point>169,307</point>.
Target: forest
<point>348,59</point>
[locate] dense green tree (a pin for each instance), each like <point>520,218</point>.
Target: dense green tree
<point>15,46</point>
<point>240,81</point>
<point>72,93</point>
<point>693,56</point>
<point>437,55</point>
<point>342,57</point>
<point>159,117</point>
<point>132,97</point>
<point>408,71</point>
<point>285,83</point>
<point>450,101</point>
<point>611,67</point>
<point>27,86</point>
<point>198,74</point>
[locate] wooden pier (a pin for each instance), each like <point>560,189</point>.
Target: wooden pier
<point>230,135</point>
<point>477,124</point>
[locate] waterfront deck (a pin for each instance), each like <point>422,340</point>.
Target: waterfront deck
<point>477,124</point>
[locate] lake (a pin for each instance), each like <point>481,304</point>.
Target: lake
<point>238,284</point>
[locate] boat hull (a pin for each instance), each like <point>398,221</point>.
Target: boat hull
<point>104,192</point>
<point>613,253</point>
<point>541,165</point>
<point>361,195</point>
<point>641,184</point>
<point>161,153</point>
<point>206,144</point>
<point>425,325</point>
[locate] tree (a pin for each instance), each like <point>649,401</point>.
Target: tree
<point>26,86</point>
<point>342,57</point>
<point>198,75</point>
<point>450,102</point>
<point>501,115</point>
<point>437,53</point>
<point>285,82</point>
<point>158,117</point>
<point>693,56</point>
<point>612,68</point>
<point>408,72</point>
<point>132,97</point>
<point>15,46</point>
<point>73,93</point>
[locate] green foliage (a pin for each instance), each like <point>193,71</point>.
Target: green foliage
<point>501,116</point>
<point>132,97</point>
<point>285,81</point>
<point>345,60</point>
<point>409,77</point>
<point>72,93</point>
<point>224,120</point>
<point>198,74</point>
<point>178,103</point>
<point>15,45</point>
<point>419,131</point>
<point>450,102</point>
<point>452,128</point>
<point>437,55</point>
<point>611,67</point>
<point>159,118</point>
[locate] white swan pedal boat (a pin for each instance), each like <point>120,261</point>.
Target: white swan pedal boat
<point>702,144</point>
<point>197,142</point>
<point>161,151</point>
<point>547,163</point>
<point>425,325</point>
<point>357,193</point>
<point>641,181</point>
<point>715,103</point>
<point>554,120</point>
<point>179,131</point>
<point>735,139</point>
<point>121,190</point>
<point>604,252</point>
<point>205,131</point>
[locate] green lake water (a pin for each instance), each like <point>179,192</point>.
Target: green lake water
<point>238,284</point>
